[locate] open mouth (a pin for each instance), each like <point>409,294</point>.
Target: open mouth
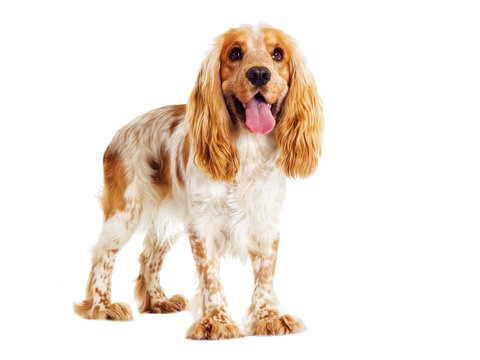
<point>257,114</point>
<point>241,106</point>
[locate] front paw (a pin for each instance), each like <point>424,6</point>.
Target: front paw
<point>171,305</point>
<point>276,325</point>
<point>208,328</point>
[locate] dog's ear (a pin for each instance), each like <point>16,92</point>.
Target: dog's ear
<point>300,127</point>
<point>210,126</point>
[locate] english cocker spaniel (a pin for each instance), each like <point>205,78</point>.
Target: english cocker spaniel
<point>214,169</point>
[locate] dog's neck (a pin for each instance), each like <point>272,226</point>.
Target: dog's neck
<point>258,153</point>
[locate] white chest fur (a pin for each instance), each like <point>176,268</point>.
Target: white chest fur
<point>243,215</point>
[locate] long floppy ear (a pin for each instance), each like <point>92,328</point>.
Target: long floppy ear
<point>300,128</point>
<point>209,123</point>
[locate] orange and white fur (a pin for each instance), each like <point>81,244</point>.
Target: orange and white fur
<point>214,169</point>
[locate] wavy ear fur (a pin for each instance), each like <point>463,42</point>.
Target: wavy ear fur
<point>210,127</point>
<point>300,128</point>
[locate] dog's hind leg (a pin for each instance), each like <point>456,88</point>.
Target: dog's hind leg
<point>150,295</point>
<point>122,210</point>
<point>115,233</point>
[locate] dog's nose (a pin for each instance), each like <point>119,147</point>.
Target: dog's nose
<point>258,75</point>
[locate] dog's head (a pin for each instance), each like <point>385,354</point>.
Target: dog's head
<point>255,78</point>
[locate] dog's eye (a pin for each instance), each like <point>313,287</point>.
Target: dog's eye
<point>235,54</point>
<point>277,54</point>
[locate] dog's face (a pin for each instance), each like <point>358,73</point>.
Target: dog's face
<point>255,73</point>
<point>256,77</point>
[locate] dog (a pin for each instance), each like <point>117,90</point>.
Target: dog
<point>214,169</point>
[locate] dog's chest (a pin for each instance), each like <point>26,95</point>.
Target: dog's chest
<point>253,202</point>
<point>244,214</point>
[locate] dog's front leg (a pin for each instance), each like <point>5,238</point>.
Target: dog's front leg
<point>215,322</point>
<point>264,315</point>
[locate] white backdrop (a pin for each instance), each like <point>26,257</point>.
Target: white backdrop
<point>380,248</point>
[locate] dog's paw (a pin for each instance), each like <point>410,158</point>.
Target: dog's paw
<point>276,325</point>
<point>118,311</point>
<point>113,311</point>
<point>174,304</point>
<point>207,328</point>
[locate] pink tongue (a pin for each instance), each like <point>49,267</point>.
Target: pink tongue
<point>259,118</point>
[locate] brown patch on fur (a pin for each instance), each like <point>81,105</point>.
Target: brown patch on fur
<point>178,168</point>
<point>177,113</point>
<point>160,167</point>
<point>277,325</point>
<point>173,125</point>
<point>185,151</point>
<point>113,199</point>
<point>219,314</point>
<point>209,329</point>
<point>103,296</point>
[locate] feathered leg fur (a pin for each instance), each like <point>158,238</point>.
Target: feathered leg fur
<point>148,292</point>
<point>264,315</point>
<point>216,322</point>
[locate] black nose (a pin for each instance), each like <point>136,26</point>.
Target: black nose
<point>258,75</point>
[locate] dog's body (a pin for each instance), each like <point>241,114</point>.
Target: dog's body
<point>217,173</point>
